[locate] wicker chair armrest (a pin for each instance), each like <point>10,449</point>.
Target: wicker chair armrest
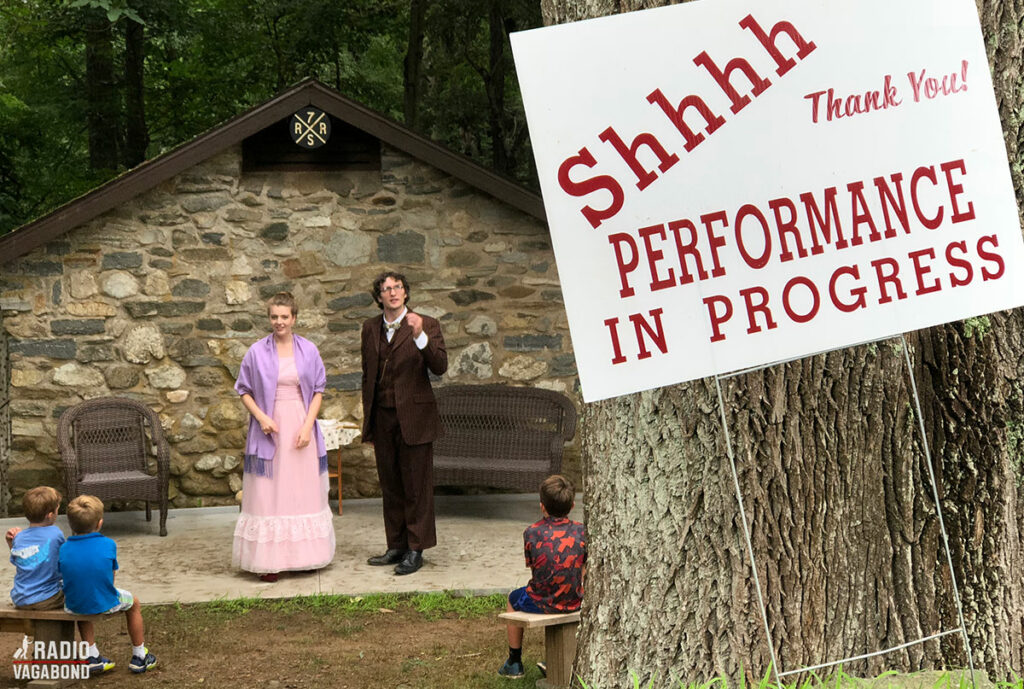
<point>556,448</point>
<point>156,432</point>
<point>163,459</point>
<point>68,456</point>
<point>568,417</point>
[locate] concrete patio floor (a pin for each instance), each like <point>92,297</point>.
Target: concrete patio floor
<point>480,550</point>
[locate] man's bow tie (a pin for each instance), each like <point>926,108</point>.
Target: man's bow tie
<point>393,326</point>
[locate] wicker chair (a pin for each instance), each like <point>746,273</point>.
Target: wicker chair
<point>106,445</point>
<point>501,436</point>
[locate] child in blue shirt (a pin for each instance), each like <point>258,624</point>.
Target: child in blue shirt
<point>34,554</point>
<point>87,563</point>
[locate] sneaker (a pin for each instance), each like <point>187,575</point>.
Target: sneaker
<point>98,665</point>
<point>512,670</point>
<point>138,664</point>
<point>543,667</point>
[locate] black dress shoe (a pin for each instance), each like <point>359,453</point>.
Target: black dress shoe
<point>412,561</point>
<point>392,556</point>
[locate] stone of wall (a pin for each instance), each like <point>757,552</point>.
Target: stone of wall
<point>159,299</point>
<point>5,422</point>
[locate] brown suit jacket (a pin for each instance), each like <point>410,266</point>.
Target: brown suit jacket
<point>414,398</point>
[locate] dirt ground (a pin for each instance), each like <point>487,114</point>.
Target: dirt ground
<point>404,649</point>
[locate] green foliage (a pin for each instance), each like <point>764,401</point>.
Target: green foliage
<point>465,75</point>
<point>206,61</point>
<point>43,152</point>
<point>114,9</point>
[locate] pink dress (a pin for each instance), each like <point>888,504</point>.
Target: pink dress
<point>286,523</point>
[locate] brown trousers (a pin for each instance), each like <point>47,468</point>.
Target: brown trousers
<point>406,474</point>
<point>54,602</point>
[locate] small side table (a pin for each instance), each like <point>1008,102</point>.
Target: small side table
<point>337,436</point>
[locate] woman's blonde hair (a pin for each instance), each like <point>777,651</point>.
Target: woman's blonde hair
<point>283,299</point>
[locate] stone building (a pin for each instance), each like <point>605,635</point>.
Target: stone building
<point>153,285</point>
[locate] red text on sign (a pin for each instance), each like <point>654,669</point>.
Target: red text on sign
<point>683,115</point>
<point>854,287</point>
<point>857,104</point>
<point>682,251</point>
<point>925,86</point>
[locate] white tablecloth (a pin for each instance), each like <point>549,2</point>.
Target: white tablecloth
<point>338,434</point>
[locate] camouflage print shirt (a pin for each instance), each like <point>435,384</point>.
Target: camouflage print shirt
<point>556,551</point>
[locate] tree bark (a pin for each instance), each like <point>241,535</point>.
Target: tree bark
<point>100,91</point>
<point>494,82</point>
<point>414,62</point>
<point>136,133</point>
<point>836,488</point>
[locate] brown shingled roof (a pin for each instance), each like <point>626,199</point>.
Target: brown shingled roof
<point>309,92</point>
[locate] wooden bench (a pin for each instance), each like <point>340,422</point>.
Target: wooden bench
<point>501,436</point>
<point>559,642</point>
<point>43,625</point>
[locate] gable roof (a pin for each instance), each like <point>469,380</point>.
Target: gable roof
<point>308,92</point>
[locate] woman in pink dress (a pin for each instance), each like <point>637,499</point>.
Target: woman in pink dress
<point>286,523</point>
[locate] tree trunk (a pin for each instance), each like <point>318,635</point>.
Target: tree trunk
<point>414,62</point>
<point>495,85</point>
<point>836,490</point>
<point>136,133</point>
<point>100,91</point>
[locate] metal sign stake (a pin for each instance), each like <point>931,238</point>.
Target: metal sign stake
<point>776,670</point>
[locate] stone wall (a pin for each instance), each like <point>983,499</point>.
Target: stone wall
<point>159,299</point>
<point>5,423</point>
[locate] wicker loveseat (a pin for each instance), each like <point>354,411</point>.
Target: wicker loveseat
<point>501,436</point>
<point>107,445</point>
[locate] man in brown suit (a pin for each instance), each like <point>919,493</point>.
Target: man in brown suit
<point>401,419</point>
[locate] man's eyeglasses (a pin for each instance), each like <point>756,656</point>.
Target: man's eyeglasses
<point>392,288</point>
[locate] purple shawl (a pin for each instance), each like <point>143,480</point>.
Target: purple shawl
<point>257,377</point>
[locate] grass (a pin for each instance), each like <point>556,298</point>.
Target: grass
<point>436,662</point>
<point>430,605</point>
<point>421,641</point>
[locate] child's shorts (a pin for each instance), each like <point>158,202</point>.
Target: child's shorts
<point>520,601</point>
<point>54,602</point>
<point>125,600</point>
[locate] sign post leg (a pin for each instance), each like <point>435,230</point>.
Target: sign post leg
<point>938,509</point>
<point>746,534</point>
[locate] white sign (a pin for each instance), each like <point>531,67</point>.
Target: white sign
<point>730,184</point>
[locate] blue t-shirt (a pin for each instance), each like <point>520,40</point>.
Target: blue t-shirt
<point>34,556</point>
<point>87,564</point>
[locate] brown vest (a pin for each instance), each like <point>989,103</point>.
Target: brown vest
<point>384,395</point>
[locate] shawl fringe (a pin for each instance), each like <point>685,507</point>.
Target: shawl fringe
<point>258,466</point>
